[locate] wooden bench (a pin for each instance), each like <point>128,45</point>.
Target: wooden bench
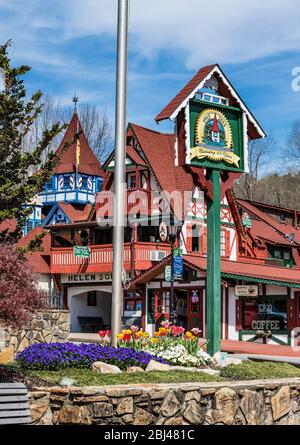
<point>14,404</point>
<point>91,324</point>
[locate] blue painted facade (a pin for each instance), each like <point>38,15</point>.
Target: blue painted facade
<point>35,219</point>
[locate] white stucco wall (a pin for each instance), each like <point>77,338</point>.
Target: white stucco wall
<point>77,302</point>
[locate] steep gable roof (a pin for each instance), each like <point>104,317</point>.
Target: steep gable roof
<point>39,260</point>
<point>88,162</point>
<point>282,230</point>
<point>197,82</point>
<point>159,149</point>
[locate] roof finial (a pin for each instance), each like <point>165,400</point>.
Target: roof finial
<point>75,100</point>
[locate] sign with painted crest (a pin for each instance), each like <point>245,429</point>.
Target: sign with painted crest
<point>216,136</point>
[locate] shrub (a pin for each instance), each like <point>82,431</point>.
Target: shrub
<point>56,356</point>
<point>19,292</point>
<point>250,370</point>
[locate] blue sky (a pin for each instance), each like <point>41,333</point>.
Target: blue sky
<point>71,46</point>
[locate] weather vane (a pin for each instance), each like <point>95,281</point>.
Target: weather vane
<point>75,100</point>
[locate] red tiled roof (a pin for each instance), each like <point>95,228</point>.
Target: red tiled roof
<point>282,229</point>
<point>184,93</point>
<point>88,162</point>
<point>263,231</point>
<point>133,154</point>
<point>159,149</point>
<point>39,261</point>
<point>75,213</point>
<point>280,274</point>
<point>251,270</point>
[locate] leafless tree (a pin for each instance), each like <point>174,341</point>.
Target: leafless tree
<point>292,153</point>
<point>258,157</point>
<point>97,128</point>
<point>95,122</point>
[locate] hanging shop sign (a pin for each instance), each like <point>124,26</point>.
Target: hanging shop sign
<point>177,265</point>
<point>82,252</point>
<point>216,137</point>
<point>249,290</point>
<point>168,274</point>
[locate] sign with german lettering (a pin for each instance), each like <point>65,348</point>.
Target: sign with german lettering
<point>216,136</point>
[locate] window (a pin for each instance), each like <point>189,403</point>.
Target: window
<point>84,182</point>
<point>49,185</point>
<point>223,243</point>
<point>195,238</point>
<point>92,298</point>
<point>265,313</point>
<point>99,184</point>
<point>66,182</point>
<point>131,181</point>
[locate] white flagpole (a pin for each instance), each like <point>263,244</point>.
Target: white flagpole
<point>119,177</point>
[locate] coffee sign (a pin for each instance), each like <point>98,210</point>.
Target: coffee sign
<point>248,290</point>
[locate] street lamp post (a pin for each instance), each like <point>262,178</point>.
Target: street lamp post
<point>172,240</point>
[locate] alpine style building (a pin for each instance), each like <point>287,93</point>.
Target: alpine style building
<point>260,262</point>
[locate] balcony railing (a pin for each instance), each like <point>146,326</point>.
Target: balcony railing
<point>137,256</point>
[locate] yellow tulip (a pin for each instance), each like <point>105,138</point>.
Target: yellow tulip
<point>120,336</point>
<point>128,331</point>
<point>188,334</point>
<point>154,340</point>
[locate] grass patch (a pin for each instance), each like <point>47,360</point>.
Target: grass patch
<point>86,377</point>
<point>250,370</point>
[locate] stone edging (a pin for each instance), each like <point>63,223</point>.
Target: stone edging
<point>269,402</point>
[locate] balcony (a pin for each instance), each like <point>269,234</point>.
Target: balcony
<point>137,256</point>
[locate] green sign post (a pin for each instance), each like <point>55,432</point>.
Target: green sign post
<point>82,252</point>
<point>216,145</point>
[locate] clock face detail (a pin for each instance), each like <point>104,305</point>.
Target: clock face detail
<point>163,231</point>
<point>213,138</point>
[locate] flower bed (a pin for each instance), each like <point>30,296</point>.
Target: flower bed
<point>170,342</point>
<point>56,356</point>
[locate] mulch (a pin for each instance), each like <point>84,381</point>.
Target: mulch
<point>8,374</point>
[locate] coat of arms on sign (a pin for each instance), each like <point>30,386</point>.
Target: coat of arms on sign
<point>213,138</point>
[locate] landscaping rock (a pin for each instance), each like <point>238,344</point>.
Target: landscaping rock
<point>170,405</point>
<point>105,368</point>
<point>135,369</point>
<point>193,413</point>
<point>156,366</point>
<point>70,415</point>
<point>193,395</point>
<point>226,405</point>
<point>281,403</point>
<point>174,421</point>
<point>252,406</point>
<point>231,361</point>
<point>38,409</point>
<point>125,406</point>
<point>142,417</point>
<point>102,409</point>
<point>7,355</point>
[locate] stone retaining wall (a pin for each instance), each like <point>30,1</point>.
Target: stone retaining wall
<point>43,327</point>
<point>275,402</point>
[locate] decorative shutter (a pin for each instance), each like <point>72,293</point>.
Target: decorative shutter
<point>238,316</point>
<point>188,240</point>
<point>227,243</point>
<point>204,240</point>
<point>292,313</point>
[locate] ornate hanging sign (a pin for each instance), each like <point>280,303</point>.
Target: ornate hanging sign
<point>213,138</point>
<point>216,136</point>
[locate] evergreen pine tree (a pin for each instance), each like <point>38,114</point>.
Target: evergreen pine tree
<point>17,116</point>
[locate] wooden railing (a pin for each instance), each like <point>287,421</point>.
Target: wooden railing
<point>137,256</point>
